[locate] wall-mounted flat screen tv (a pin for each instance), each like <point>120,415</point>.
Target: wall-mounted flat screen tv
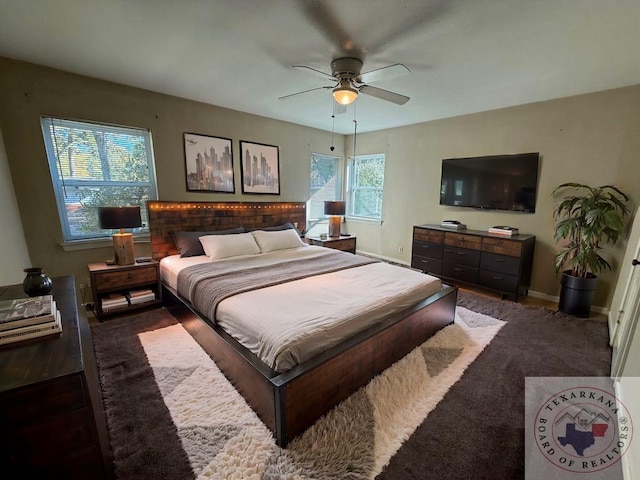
<point>497,182</point>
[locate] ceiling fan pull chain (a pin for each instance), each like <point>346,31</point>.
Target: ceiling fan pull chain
<point>333,124</point>
<point>355,129</point>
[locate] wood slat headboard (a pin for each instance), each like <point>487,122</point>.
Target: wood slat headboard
<point>167,217</point>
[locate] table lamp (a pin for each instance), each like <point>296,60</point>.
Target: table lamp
<point>121,217</point>
<point>335,210</point>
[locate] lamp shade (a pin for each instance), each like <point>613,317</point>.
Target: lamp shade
<point>334,208</point>
<point>119,217</point>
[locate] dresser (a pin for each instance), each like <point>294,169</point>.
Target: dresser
<point>475,257</point>
<point>53,424</point>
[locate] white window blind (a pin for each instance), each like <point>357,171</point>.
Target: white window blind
<point>365,186</point>
<point>94,165</point>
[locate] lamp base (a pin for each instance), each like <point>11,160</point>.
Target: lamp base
<point>123,248</point>
<point>334,226</point>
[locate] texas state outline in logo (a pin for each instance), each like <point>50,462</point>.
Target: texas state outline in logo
<point>583,429</point>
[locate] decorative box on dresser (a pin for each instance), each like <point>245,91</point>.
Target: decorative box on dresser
<point>122,279</point>
<point>345,243</point>
<point>53,423</point>
<point>475,257</point>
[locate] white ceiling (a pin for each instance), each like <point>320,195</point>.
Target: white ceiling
<point>465,56</point>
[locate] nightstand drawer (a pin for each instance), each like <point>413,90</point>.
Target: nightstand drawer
<point>125,278</point>
<point>344,245</point>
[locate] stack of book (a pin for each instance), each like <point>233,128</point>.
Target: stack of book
<point>26,318</point>
<point>455,224</point>
<point>141,296</point>
<point>503,230</point>
<point>114,301</point>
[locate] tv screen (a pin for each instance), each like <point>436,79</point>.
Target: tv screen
<point>497,182</point>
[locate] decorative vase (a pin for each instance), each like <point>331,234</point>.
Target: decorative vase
<point>36,282</point>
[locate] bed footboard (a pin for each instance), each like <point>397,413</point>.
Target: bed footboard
<point>290,402</point>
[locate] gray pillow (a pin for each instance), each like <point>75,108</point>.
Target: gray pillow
<point>189,245</point>
<point>284,226</point>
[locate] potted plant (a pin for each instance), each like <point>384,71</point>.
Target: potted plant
<point>586,218</point>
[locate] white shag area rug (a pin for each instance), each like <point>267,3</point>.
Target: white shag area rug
<point>224,438</point>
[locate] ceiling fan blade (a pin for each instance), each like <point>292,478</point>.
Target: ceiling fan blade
<point>384,73</point>
<point>313,71</point>
<point>304,91</point>
<point>384,94</point>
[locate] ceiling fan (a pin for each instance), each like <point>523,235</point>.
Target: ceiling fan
<point>349,82</point>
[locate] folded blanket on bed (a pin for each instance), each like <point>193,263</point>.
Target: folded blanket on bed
<point>206,285</point>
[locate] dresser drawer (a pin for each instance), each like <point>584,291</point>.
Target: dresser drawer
<point>462,240</point>
<point>464,273</point>
<point>502,246</point>
<point>425,264</point>
<point>125,278</point>
<point>498,281</point>
<point>500,263</point>
<point>461,256</point>
<point>431,236</point>
<point>430,250</point>
<point>62,396</point>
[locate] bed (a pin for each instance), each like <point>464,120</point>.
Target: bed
<point>295,377</point>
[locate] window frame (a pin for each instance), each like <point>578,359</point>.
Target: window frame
<point>351,189</point>
<point>339,162</point>
<point>59,182</point>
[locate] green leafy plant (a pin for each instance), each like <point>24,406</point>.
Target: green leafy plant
<point>586,217</point>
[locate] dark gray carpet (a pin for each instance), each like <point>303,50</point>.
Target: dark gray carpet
<point>144,439</point>
<point>475,432</point>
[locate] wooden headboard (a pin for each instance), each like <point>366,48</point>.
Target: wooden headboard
<point>167,217</point>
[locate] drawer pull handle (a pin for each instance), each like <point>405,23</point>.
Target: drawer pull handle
<point>458,269</point>
<point>499,260</point>
<point>498,278</point>
<point>462,253</point>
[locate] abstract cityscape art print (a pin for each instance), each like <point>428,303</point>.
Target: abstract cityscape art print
<point>260,166</point>
<point>209,163</point>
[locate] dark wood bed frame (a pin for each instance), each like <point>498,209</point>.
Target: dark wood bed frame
<point>289,402</point>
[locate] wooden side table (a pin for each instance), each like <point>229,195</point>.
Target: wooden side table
<point>122,279</point>
<point>344,243</point>
<point>53,424</point>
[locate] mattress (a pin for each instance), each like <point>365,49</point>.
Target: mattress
<point>288,323</point>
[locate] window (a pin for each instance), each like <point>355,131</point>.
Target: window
<point>365,183</point>
<point>326,184</point>
<point>95,165</point>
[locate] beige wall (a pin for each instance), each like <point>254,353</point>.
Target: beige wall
<point>590,139</point>
<point>15,256</point>
<point>28,91</point>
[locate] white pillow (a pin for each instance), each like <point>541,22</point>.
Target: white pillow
<point>223,246</point>
<point>269,241</point>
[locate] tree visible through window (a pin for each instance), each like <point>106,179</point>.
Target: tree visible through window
<point>366,182</point>
<point>95,165</point>
<point>325,185</point>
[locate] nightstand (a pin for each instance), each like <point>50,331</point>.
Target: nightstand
<point>109,281</point>
<point>344,243</point>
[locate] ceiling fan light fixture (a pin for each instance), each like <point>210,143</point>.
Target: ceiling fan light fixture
<point>344,93</point>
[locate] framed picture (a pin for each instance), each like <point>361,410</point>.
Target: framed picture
<point>208,163</point>
<point>260,166</point>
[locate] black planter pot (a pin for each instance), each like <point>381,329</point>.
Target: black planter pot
<point>576,294</point>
